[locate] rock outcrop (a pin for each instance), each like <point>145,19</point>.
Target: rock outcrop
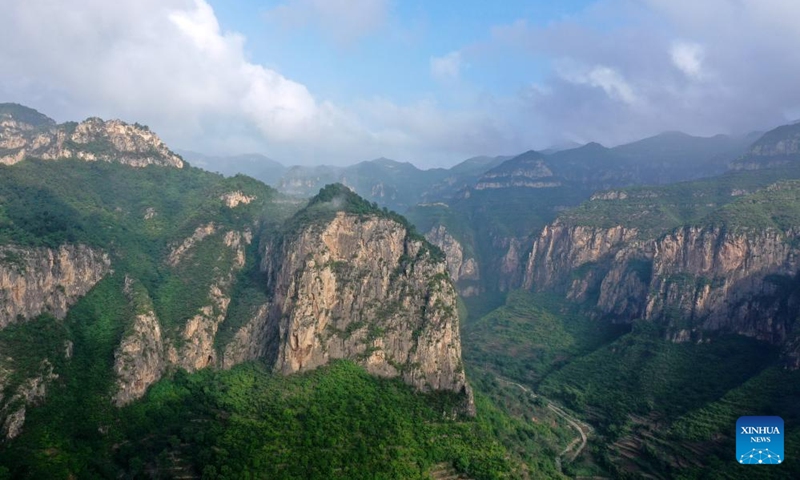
<point>359,287</point>
<point>460,266</point>
<point>779,146</point>
<point>147,351</point>
<point>528,170</point>
<point>43,280</point>
<point>234,199</point>
<point>91,140</point>
<point>692,279</point>
<point>139,360</point>
<point>31,392</point>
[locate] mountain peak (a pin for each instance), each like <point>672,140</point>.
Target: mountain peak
<point>23,114</point>
<point>94,139</point>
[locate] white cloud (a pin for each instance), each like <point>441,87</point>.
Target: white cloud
<point>606,78</point>
<point>166,63</point>
<point>169,64</point>
<point>447,68</point>
<point>343,20</point>
<point>688,58</point>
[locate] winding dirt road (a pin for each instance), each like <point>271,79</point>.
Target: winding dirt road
<point>584,430</point>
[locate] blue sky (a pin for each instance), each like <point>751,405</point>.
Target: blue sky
<point>431,82</point>
<point>393,59</point>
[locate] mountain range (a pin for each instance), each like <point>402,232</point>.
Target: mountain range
<point>586,312</point>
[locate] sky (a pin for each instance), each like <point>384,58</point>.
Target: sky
<point>430,82</point>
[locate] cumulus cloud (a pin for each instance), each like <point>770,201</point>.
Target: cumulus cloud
<point>688,58</point>
<point>344,21</point>
<point>605,78</point>
<point>167,63</point>
<point>446,68</point>
<point>618,71</point>
<point>717,66</point>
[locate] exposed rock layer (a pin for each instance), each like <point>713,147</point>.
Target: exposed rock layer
<point>459,266</point>
<point>693,279</point>
<point>42,280</point>
<point>91,140</point>
<point>360,288</point>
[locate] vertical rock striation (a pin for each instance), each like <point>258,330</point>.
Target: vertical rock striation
<point>359,287</point>
<point>43,280</point>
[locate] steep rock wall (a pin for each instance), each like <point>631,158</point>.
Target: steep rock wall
<point>38,280</point>
<point>692,279</point>
<point>359,288</point>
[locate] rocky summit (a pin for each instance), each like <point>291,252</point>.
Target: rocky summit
<point>27,133</point>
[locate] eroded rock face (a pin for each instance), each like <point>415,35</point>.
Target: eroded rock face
<point>147,351</point>
<point>234,199</point>
<point>458,266</point>
<point>139,359</point>
<point>251,341</point>
<point>38,280</point>
<point>91,140</point>
<point>741,281</point>
<point>31,392</point>
<point>360,288</point>
<point>526,173</point>
<point>561,248</point>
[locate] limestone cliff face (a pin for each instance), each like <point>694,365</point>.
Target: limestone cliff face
<point>692,279</point>
<point>147,352</point>
<point>560,249</point>
<point>31,392</point>
<point>91,140</point>
<point>139,359</point>
<point>359,287</point>
<point>527,171</point>
<point>459,266</point>
<point>38,280</point>
<point>250,342</point>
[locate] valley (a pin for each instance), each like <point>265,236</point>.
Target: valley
<point>544,316</point>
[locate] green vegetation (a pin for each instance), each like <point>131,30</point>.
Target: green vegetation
<point>659,408</point>
<point>532,335</point>
<point>335,422</point>
<point>738,199</point>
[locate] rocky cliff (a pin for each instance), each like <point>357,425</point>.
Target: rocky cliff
<point>528,170</point>
<point>359,287</point>
<point>147,349</point>
<point>779,146</point>
<point>26,133</point>
<point>692,279</point>
<point>340,285</point>
<point>460,266</point>
<point>32,391</point>
<point>43,280</point>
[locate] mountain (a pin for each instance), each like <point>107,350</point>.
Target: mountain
<point>395,185</point>
<point>685,297</point>
<point>25,132</point>
<point>154,318</point>
<point>254,165</point>
<point>528,170</point>
<point>568,145</point>
<point>779,146</point>
<point>511,202</point>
